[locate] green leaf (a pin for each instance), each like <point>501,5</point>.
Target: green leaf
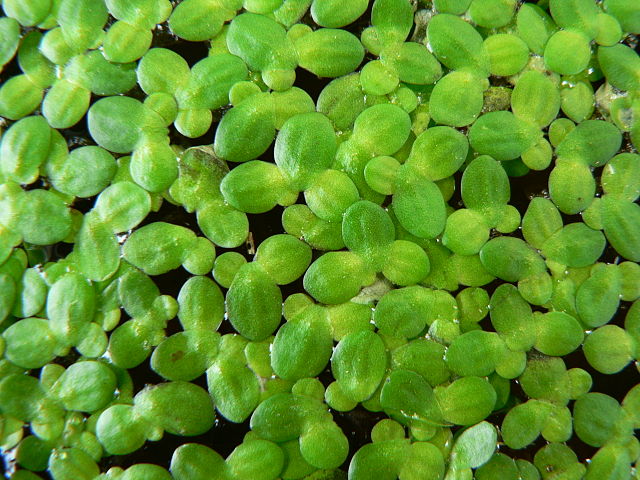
<point>358,364</point>
<point>303,345</point>
<point>179,408</point>
<point>86,386</point>
<point>192,461</point>
<point>72,464</point>
<point>502,135</point>
<point>595,416</point>
<point>475,446</point>
<point>467,400</point>
<point>409,399</point>
<point>254,303</point>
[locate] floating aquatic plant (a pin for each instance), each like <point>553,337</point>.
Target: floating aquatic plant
<point>450,256</point>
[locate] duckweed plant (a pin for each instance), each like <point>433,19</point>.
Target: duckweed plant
<point>403,282</point>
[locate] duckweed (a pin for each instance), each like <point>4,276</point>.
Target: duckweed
<point>85,386</point>
<point>420,218</point>
<point>302,346</point>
